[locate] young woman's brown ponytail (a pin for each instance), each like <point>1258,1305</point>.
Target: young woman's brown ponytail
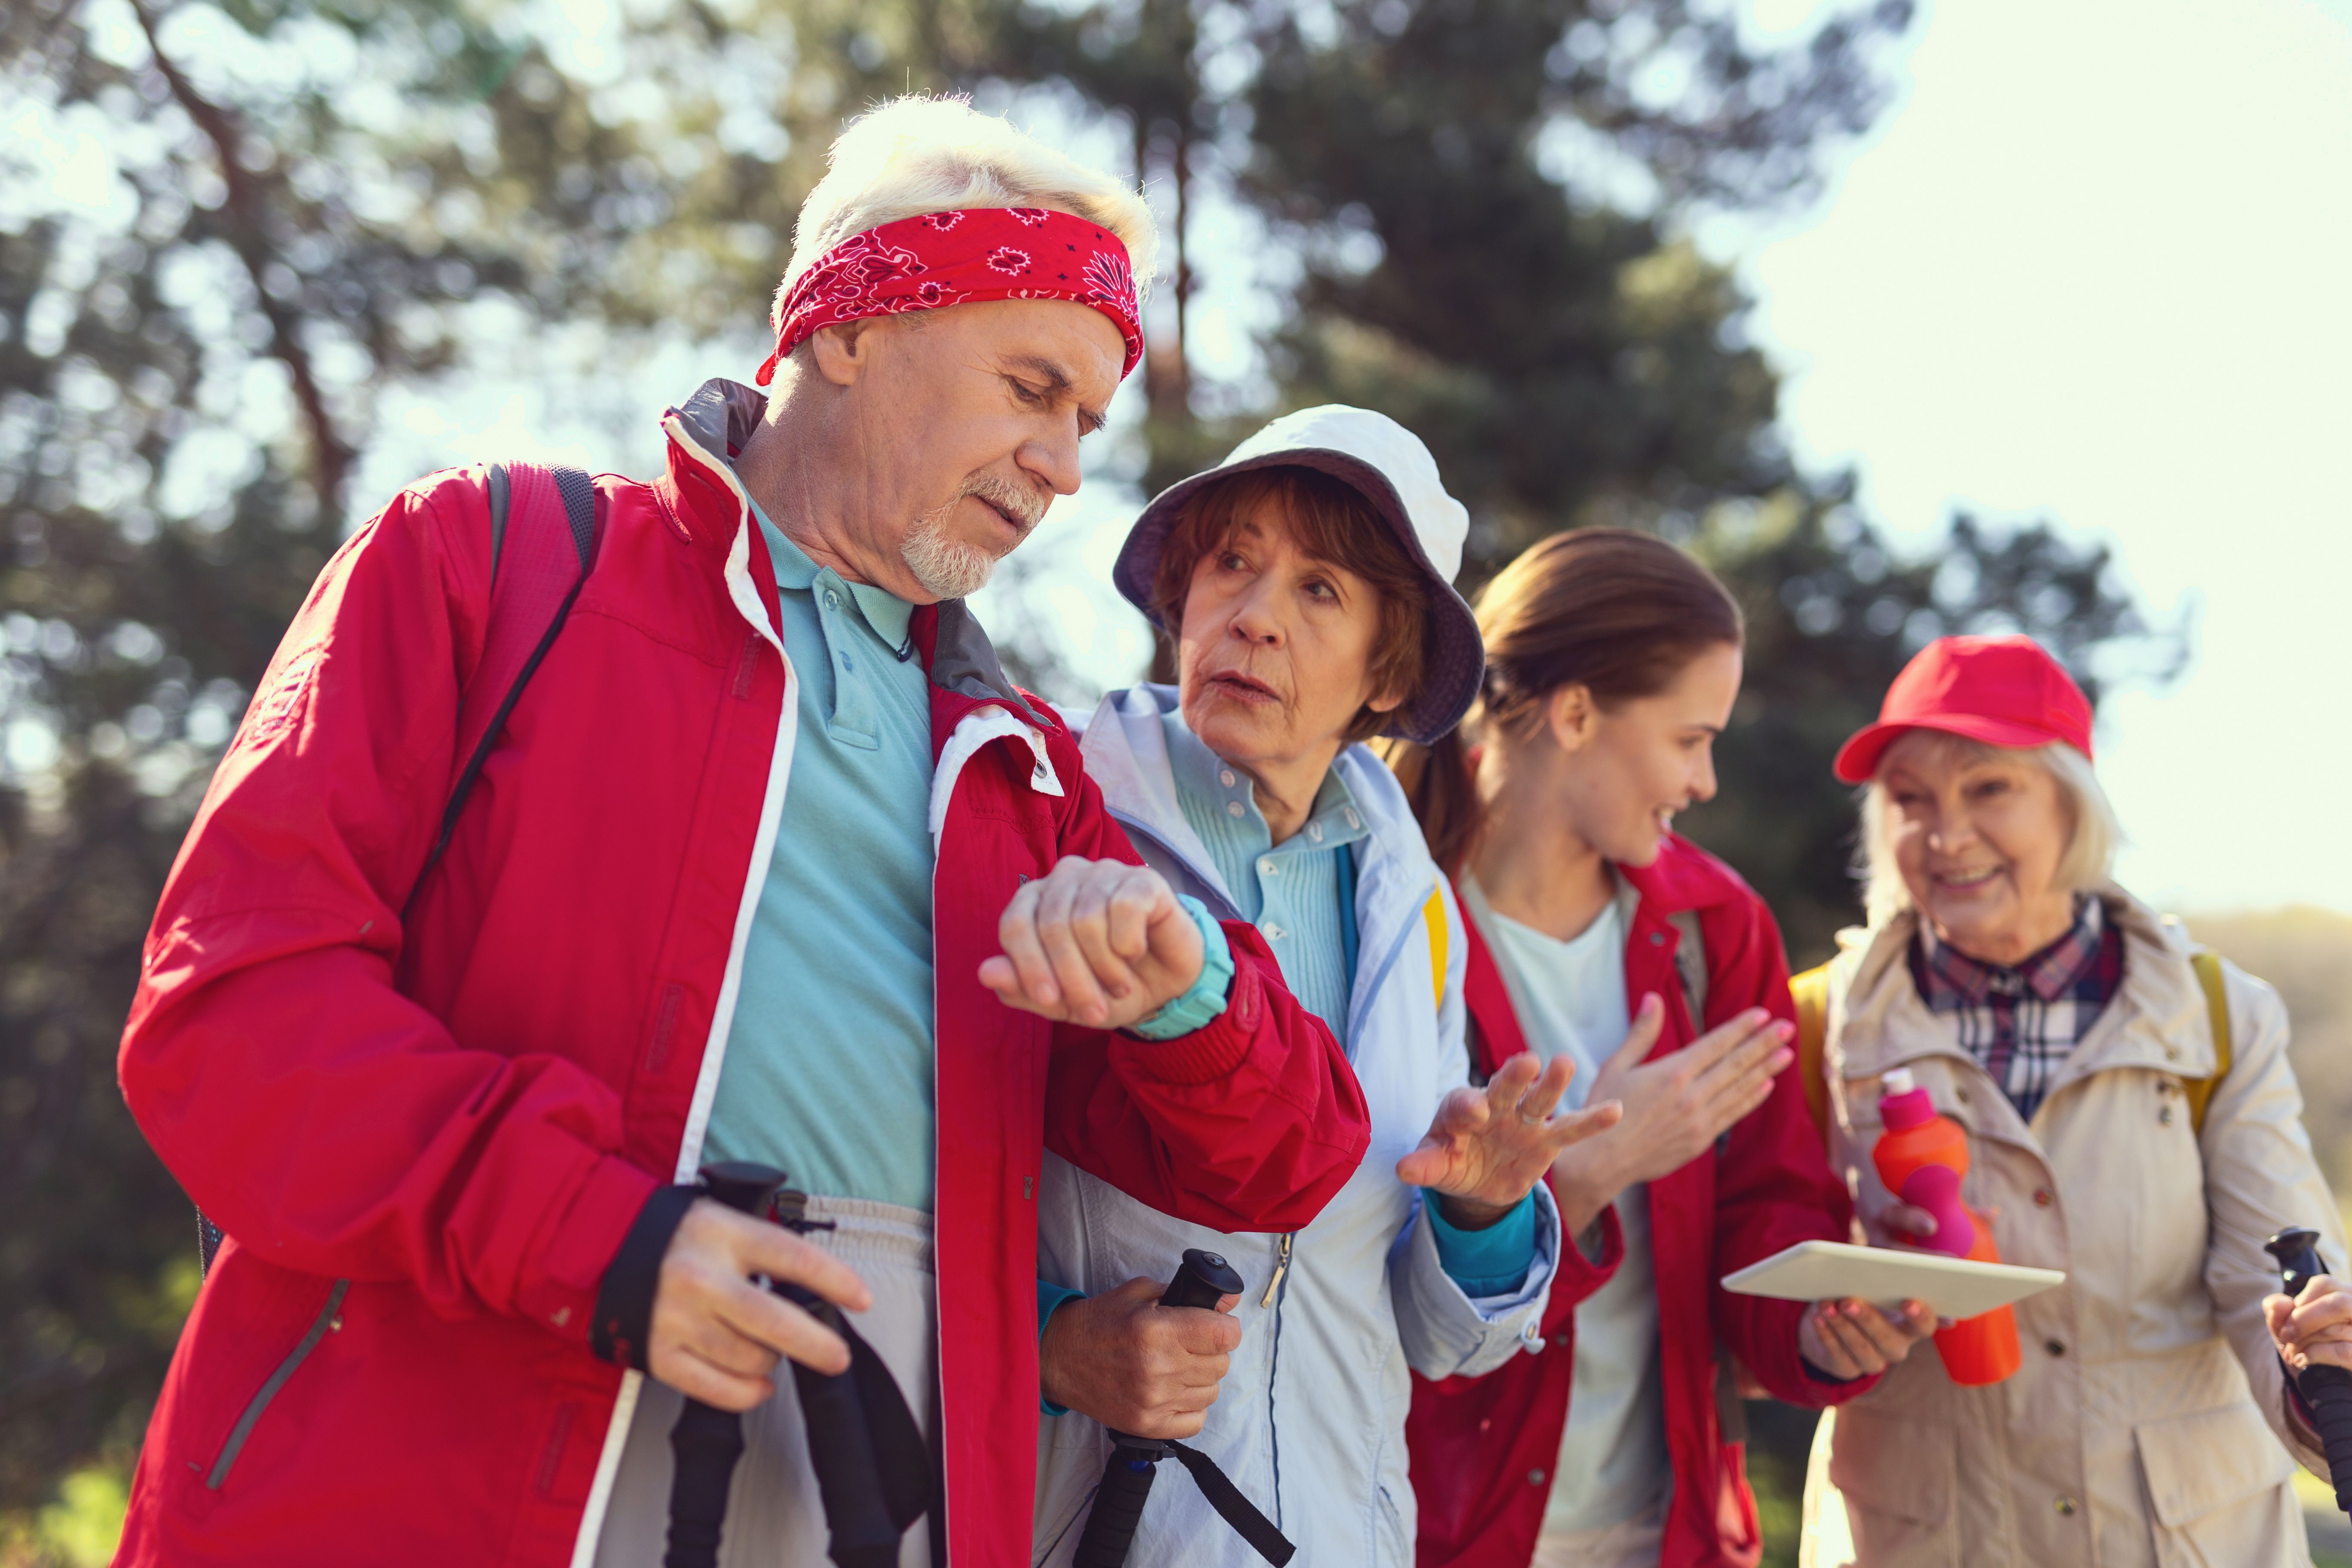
<point>1616,612</point>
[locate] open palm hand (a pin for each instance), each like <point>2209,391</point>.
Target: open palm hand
<point>1486,1149</point>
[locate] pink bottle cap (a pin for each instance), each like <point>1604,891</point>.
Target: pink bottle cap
<point>1902,1103</point>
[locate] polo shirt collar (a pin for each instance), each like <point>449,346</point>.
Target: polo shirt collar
<point>1334,819</point>
<point>889,616</point>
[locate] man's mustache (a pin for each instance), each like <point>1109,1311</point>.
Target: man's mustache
<point>1024,505</point>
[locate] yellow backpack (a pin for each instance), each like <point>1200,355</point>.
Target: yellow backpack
<point>1811,991</point>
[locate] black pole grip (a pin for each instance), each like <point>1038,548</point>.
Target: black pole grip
<point>707,1441</point>
<point>1200,1280</point>
<point>704,1446</point>
<point>1118,1502</point>
<point>2327,1389</point>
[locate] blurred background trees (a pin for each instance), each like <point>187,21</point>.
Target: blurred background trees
<point>246,243</point>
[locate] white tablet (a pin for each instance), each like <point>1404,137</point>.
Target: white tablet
<point>1954,1287</point>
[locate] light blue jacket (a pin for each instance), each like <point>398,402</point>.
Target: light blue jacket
<point>1309,1422</point>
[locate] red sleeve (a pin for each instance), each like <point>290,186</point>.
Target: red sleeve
<point>324,1121</point>
<point>1251,1123</point>
<point>1772,1183</point>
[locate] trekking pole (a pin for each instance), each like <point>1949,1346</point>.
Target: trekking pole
<point>1201,1280</point>
<point>873,1469</point>
<point>707,1441</point>
<point>2327,1389</point>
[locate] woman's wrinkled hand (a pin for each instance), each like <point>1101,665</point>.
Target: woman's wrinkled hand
<point>1486,1149</point>
<point>2314,1326</point>
<point>1135,1365</point>
<point>1849,1339</point>
<point>1097,942</point>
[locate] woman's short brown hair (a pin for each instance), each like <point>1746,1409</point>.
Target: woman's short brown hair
<point>1331,521</point>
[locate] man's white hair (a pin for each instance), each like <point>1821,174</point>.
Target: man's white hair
<point>917,154</point>
<point>2092,833</point>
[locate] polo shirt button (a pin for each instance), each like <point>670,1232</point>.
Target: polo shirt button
<point>1276,933</point>
<point>2056,1348</point>
<point>2044,1198</point>
<point>1232,808</point>
<point>1267,868</point>
<point>1534,1478</point>
<point>832,600</point>
<point>1225,777</point>
<point>2067,1507</point>
<point>1657,938</point>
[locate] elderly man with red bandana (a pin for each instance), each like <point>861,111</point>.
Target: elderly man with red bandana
<point>768,862</point>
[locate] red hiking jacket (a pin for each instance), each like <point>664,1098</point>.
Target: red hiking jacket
<point>426,1141</point>
<point>1483,1450</point>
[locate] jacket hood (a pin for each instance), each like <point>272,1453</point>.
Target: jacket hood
<point>1395,472</point>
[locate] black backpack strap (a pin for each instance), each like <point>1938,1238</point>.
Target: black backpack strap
<point>583,514</point>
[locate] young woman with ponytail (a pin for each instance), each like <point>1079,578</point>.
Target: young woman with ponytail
<point>1613,662</point>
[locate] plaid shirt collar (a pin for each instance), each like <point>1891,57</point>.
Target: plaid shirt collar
<point>1952,980</point>
<point>2022,1021</point>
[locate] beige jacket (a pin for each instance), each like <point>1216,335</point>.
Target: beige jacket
<point>2144,1429</point>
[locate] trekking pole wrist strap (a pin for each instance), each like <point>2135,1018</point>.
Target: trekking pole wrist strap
<point>624,1302</point>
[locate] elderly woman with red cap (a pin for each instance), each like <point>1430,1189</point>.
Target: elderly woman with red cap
<point>2131,1120</point>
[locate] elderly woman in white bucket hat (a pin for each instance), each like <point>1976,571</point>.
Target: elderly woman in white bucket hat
<point>1307,584</point>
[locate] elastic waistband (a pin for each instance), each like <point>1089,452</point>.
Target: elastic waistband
<point>866,1230</point>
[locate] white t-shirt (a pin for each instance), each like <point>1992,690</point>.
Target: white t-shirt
<point>1571,1001</point>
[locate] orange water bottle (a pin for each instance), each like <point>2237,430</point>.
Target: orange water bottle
<point>1921,1157</point>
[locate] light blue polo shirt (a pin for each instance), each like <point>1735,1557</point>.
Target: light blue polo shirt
<point>828,1073</point>
<point>1298,893</point>
<point>1301,894</point>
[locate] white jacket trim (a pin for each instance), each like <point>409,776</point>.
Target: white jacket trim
<point>745,597</point>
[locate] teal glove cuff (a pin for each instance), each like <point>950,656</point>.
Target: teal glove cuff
<point>1205,1002</point>
<point>1049,1296</point>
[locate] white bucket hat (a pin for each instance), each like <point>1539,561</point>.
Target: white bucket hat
<point>1395,472</point>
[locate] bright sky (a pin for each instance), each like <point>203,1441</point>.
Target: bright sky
<point>2096,266</point>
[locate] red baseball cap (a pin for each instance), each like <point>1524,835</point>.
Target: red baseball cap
<point>2004,692</point>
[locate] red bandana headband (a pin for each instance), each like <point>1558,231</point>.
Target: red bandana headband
<point>960,258</point>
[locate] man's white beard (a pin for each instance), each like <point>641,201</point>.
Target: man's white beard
<point>949,567</point>
<point>945,567</point>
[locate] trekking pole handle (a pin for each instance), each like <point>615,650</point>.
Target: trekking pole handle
<point>706,1442</point>
<point>1201,1280</point>
<point>2327,1389</point>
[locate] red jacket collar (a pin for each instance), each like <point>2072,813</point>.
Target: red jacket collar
<point>1682,878</point>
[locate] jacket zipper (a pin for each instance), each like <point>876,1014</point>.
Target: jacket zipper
<point>1274,1298</point>
<point>1281,1267</point>
<point>237,1434</point>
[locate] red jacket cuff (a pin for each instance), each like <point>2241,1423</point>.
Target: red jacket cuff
<point>1216,1050</point>
<point>560,1294</point>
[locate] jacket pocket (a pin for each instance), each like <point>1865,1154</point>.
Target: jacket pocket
<point>1898,1478</point>
<point>2214,1481</point>
<point>217,1475</point>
